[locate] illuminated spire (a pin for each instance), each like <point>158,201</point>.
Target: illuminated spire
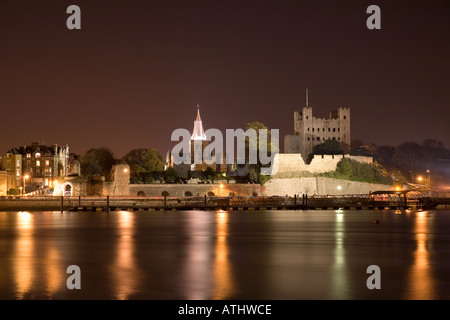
<point>198,133</point>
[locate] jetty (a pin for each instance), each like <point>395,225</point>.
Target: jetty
<point>373,201</point>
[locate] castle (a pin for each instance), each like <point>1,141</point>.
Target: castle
<point>310,131</point>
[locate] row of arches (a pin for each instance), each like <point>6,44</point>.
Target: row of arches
<point>189,194</point>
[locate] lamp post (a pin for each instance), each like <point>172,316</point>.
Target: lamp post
<point>429,180</point>
<point>25,177</point>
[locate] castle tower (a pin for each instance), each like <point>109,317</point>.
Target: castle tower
<point>310,131</point>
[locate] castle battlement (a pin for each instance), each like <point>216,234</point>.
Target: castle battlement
<point>310,131</point>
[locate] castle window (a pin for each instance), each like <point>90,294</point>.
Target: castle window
<point>306,117</point>
<point>329,129</point>
<point>323,129</point>
<point>37,155</point>
<point>308,139</point>
<point>28,155</point>
<point>318,129</point>
<point>318,138</point>
<point>47,163</point>
<point>18,163</point>
<point>339,129</point>
<point>334,129</point>
<point>339,138</point>
<point>308,129</point>
<point>313,129</point>
<point>38,163</point>
<point>345,117</point>
<point>334,138</point>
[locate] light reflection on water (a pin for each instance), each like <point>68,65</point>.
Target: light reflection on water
<point>24,254</point>
<point>420,274</point>
<point>124,270</point>
<point>223,278</point>
<point>224,255</point>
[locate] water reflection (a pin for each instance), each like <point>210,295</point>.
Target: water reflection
<point>126,274</point>
<point>54,270</point>
<point>222,269</point>
<point>420,276</point>
<point>196,270</point>
<point>339,277</point>
<point>23,255</point>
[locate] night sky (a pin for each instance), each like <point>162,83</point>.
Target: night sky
<point>137,69</point>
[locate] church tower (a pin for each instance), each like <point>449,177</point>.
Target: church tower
<point>198,133</point>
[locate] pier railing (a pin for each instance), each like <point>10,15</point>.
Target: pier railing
<point>302,202</point>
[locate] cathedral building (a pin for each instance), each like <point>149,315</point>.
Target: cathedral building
<point>198,144</point>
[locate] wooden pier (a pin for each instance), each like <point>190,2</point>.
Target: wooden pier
<point>299,202</point>
<point>348,202</point>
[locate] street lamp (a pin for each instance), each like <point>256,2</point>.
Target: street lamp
<point>25,177</point>
<point>429,179</point>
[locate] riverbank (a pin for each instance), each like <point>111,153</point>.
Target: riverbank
<point>304,202</point>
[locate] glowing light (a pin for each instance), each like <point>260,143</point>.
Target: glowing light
<point>125,170</point>
<point>339,187</point>
<point>419,178</point>
<point>221,185</point>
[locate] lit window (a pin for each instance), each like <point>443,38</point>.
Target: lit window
<point>47,163</point>
<point>38,163</point>
<point>18,172</point>
<point>37,155</point>
<point>28,155</point>
<point>18,163</point>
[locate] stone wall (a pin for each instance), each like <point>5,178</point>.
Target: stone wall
<point>292,165</point>
<point>3,182</point>
<point>179,190</point>
<point>319,186</point>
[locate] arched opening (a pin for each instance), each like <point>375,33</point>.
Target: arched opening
<point>165,194</point>
<point>141,194</point>
<point>211,194</point>
<point>68,190</point>
<point>188,194</point>
<point>232,194</point>
<point>254,194</point>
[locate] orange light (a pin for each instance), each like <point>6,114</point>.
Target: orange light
<point>221,185</point>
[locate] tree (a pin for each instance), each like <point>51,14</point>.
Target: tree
<point>328,147</point>
<point>143,162</point>
<point>97,161</point>
<point>255,169</point>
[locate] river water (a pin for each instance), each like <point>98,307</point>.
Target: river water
<point>225,255</point>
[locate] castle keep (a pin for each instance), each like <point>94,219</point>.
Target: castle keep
<point>310,131</point>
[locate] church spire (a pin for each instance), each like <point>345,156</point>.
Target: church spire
<point>198,132</point>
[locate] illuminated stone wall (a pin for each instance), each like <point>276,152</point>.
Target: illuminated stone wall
<point>292,165</point>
